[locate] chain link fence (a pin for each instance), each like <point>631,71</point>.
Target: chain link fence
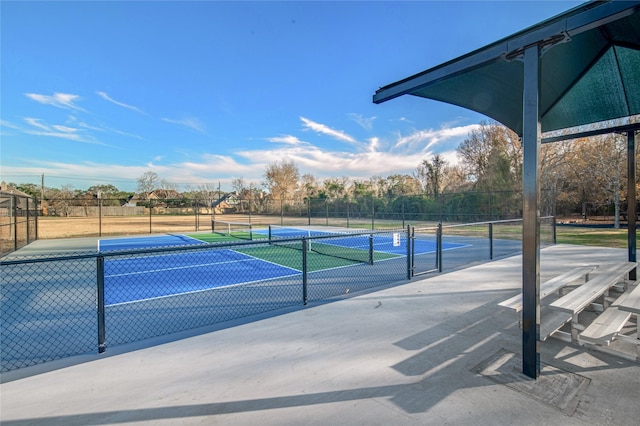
<point>102,217</point>
<point>18,221</point>
<point>76,303</point>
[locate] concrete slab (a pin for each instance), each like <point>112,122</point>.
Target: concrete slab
<point>555,387</point>
<point>404,355</point>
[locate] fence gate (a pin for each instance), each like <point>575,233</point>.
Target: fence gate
<point>426,250</point>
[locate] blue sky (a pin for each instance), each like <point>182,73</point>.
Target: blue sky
<point>207,91</point>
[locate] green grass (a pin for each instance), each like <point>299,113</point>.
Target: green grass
<point>602,237</point>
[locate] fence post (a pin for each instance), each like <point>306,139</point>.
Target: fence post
<point>371,249</point>
<point>409,253</point>
<point>439,246</point>
<point>309,211</point>
<point>373,213</point>
<point>304,271</point>
<point>326,211</point>
<point>38,213</point>
<point>99,215</point>
<point>195,211</point>
<point>102,343</point>
<point>14,213</point>
<point>490,240</point>
<point>28,230</point>
<point>553,224</point>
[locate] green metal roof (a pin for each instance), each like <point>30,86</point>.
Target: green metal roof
<point>590,71</point>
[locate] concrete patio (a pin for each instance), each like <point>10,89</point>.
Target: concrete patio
<point>434,351</point>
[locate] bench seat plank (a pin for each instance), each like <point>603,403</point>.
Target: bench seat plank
<point>606,325</point>
<point>632,302</point>
<point>552,322</point>
<point>551,286</point>
<point>578,299</point>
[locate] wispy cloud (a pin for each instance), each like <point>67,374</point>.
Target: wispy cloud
<point>287,140</point>
<point>60,100</point>
<point>106,97</point>
<point>5,123</point>
<point>59,131</point>
<point>190,122</point>
<point>325,164</point>
<point>379,155</point>
<point>324,129</point>
<point>364,122</point>
<point>109,129</point>
<point>423,140</point>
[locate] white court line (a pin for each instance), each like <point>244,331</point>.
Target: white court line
<point>199,265</point>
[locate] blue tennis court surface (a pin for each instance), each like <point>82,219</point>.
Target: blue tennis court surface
<point>146,277</point>
<point>381,243</point>
<point>133,279</point>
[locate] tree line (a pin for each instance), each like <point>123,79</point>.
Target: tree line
<point>581,176</point>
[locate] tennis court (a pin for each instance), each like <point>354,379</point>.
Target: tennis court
<point>167,274</point>
<point>182,273</point>
<point>159,285</point>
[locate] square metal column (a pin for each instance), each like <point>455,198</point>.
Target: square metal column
<point>631,201</point>
<point>531,130</point>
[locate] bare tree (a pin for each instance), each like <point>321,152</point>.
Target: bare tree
<point>281,179</point>
<point>606,155</point>
<point>147,183</point>
<point>309,186</point>
<point>492,157</point>
<point>430,174</point>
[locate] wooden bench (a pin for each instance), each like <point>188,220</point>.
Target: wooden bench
<point>551,286</point>
<point>574,302</point>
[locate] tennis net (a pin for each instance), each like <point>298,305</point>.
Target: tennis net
<point>238,230</point>
<point>354,247</point>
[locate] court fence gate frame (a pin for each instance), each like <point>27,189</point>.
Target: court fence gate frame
<point>56,307</point>
<point>18,221</point>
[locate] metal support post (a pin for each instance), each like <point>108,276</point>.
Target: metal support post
<point>99,215</point>
<point>102,342</point>
<point>371,249</point>
<point>14,220</point>
<point>530,214</point>
<point>631,201</point>
<point>409,253</point>
<point>304,271</point>
<point>439,247</point>
<point>490,241</point>
<point>373,213</point>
